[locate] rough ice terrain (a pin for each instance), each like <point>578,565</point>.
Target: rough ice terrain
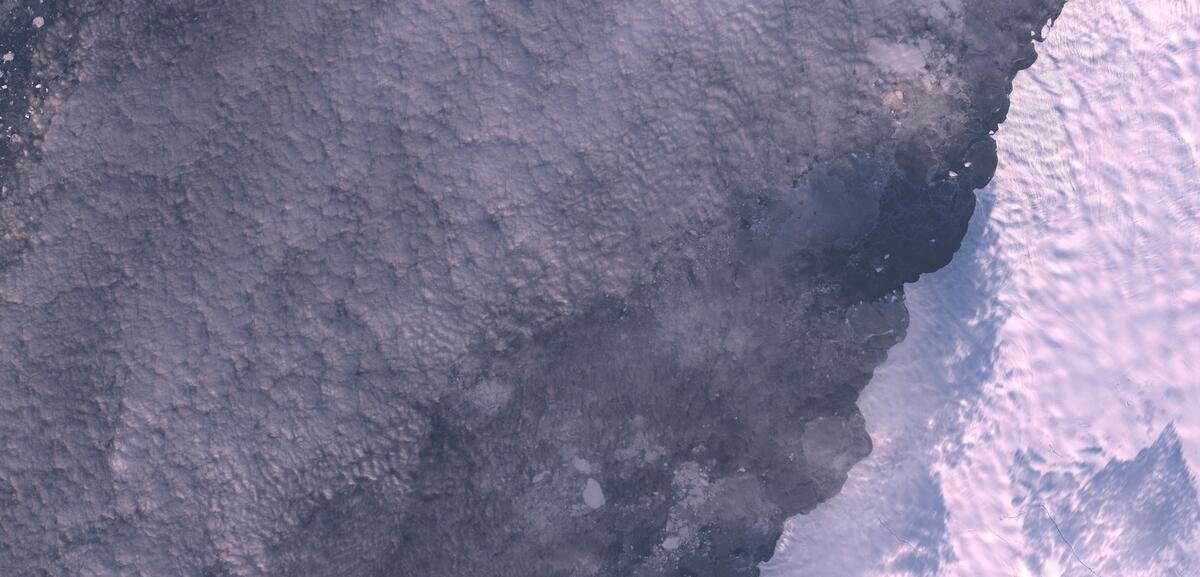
<point>1042,417</point>
<point>464,287</point>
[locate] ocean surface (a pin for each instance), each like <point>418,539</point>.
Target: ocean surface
<point>1043,416</point>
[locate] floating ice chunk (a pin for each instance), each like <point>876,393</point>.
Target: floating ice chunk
<point>581,465</point>
<point>593,494</point>
<point>38,22</point>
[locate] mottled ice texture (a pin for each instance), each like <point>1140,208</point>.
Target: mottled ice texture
<point>464,287</point>
<point>1042,417</point>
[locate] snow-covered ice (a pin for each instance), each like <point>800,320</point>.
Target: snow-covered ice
<point>1043,416</point>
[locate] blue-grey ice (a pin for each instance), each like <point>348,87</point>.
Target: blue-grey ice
<point>485,288</point>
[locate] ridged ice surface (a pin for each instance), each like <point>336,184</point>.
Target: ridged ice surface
<point>1043,416</point>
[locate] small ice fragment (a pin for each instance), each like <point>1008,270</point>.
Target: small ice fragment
<point>581,465</point>
<point>593,495</point>
<point>8,56</point>
<point>953,174</point>
<point>671,543</point>
<point>966,165</point>
<point>38,22</point>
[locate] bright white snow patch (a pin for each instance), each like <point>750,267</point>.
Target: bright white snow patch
<point>898,57</point>
<point>1043,416</point>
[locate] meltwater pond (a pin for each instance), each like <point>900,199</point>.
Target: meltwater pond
<point>1043,416</point>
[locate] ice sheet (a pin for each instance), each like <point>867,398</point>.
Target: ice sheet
<point>1042,416</point>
